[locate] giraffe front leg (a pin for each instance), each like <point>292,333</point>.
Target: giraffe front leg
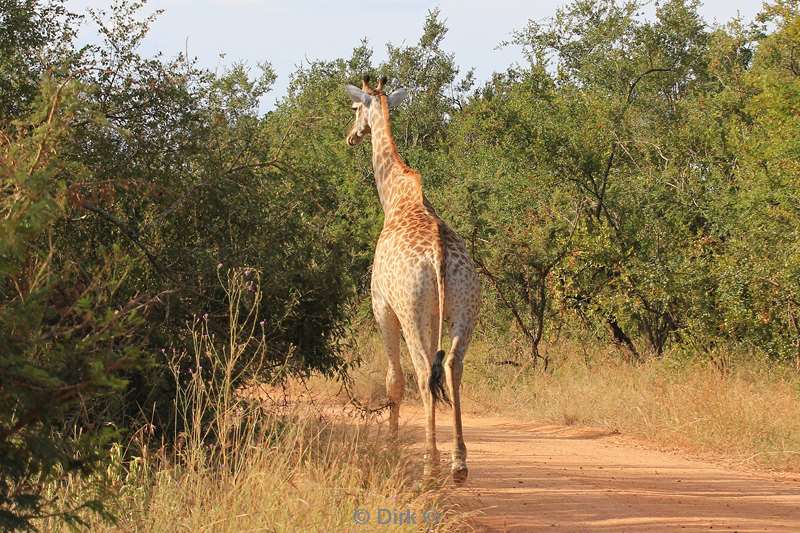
<point>395,386</point>
<point>395,380</point>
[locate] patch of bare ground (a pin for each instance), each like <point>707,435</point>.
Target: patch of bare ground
<point>526,477</point>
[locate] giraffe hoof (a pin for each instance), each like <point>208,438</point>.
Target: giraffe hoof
<point>460,473</point>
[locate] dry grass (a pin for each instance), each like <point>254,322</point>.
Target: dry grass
<point>748,413</point>
<point>246,465</point>
<point>310,475</point>
<point>290,472</point>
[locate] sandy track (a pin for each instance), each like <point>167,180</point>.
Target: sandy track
<point>526,477</point>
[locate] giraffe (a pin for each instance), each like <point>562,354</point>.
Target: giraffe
<point>421,275</point>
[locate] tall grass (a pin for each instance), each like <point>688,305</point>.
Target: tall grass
<point>739,408</point>
<point>239,464</point>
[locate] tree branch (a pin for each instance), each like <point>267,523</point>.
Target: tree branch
<point>125,231</point>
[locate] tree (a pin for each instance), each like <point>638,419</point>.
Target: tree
<point>68,340</point>
<point>34,36</point>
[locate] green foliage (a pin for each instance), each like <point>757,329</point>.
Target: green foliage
<point>67,337</point>
<point>636,179</point>
<point>185,176</point>
<point>620,167</point>
<point>31,29</point>
<point>760,267</point>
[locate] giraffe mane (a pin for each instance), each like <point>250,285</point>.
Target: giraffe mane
<point>395,154</point>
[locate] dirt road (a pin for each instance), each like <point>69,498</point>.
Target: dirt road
<point>526,477</point>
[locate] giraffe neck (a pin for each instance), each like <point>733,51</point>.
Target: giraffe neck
<point>395,180</point>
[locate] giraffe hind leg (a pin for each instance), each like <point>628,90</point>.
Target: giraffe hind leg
<point>454,368</point>
<point>419,342</point>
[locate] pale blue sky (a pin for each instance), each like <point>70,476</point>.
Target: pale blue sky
<point>288,31</point>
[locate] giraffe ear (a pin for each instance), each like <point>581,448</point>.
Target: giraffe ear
<point>357,95</point>
<point>397,97</point>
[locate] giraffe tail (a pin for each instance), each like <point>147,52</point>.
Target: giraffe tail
<point>436,381</point>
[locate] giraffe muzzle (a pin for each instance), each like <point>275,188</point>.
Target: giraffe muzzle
<point>354,138</point>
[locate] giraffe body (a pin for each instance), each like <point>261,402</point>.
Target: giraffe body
<point>421,276</point>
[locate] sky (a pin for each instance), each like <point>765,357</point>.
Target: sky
<point>288,32</point>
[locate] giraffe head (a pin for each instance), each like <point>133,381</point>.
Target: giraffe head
<point>367,104</point>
